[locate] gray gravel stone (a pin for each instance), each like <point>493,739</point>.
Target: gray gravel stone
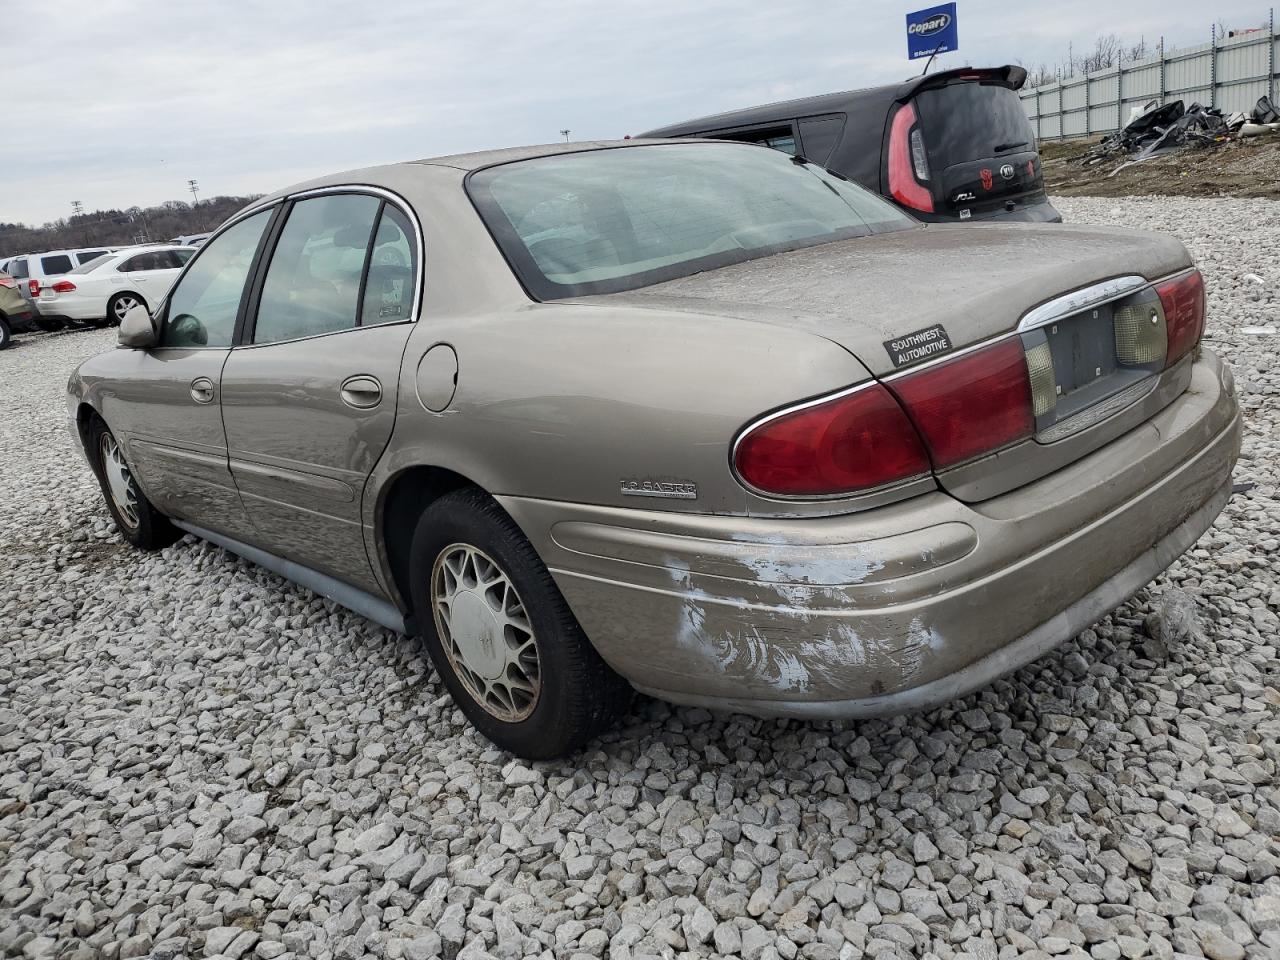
<point>196,755</point>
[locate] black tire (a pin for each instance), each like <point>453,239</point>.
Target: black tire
<point>111,319</point>
<point>152,530</point>
<point>579,696</point>
<point>6,334</point>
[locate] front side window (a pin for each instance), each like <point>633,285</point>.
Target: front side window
<point>203,306</point>
<point>603,221</point>
<point>313,282</point>
<point>60,263</point>
<point>180,257</point>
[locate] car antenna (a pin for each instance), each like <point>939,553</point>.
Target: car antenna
<point>928,62</point>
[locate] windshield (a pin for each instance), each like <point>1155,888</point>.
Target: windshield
<point>602,221</point>
<point>972,121</point>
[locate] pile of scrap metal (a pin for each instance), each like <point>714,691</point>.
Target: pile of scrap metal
<point>1164,128</point>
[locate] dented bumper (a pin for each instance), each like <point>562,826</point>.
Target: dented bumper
<point>900,607</point>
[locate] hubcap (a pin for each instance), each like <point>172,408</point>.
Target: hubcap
<point>119,481</point>
<point>485,632</point>
<point>123,306</point>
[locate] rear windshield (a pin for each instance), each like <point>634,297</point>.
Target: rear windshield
<point>602,221</point>
<point>972,121</point>
<point>93,264</point>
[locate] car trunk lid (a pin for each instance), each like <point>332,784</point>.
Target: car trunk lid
<point>899,301</point>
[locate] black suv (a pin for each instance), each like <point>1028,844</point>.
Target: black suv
<point>954,145</point>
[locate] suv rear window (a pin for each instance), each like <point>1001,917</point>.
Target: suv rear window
<point>59,263</point>
<point>972,121</point>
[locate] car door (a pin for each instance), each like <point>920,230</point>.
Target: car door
<point>166,404</point>
<point>309,395</point>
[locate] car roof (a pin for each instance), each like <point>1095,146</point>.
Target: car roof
<point>844,101</point>
<point>465,162</point>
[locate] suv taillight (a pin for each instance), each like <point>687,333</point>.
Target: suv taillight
<point>34,286</point>
<point>974,404</point>
<point>857,440</point>
<point>1183,302</point>
<point>906,157</point>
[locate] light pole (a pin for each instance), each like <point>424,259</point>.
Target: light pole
<point>194,187</point>
<point>565,134</point>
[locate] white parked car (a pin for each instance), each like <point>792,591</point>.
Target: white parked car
<point>106,288</point>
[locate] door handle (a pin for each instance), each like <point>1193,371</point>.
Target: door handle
<point>202,390</point>
<point>361,392</point>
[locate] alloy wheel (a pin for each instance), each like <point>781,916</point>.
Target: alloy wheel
<point>486,632</point>
<point>123,304</point>
<point>119,481</point>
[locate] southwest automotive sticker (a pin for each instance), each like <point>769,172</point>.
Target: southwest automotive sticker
<point>929,342</point>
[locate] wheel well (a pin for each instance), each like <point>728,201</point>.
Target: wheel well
<point>411,493</point>
<point>85,415</point>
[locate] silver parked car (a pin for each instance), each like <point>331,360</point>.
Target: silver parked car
<point>692,417</point>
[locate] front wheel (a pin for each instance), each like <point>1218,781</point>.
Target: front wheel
<point>119,305</point>
<point>501,635</point>
<point>137,520</point>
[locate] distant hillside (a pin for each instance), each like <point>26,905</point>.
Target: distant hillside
<point>119,227</point>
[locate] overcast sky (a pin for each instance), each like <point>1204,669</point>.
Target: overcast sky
<point>119,102</point>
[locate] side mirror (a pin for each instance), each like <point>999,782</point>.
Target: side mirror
<point>136,329</point>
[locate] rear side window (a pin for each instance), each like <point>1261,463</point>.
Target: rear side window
<point>818,136</point>
<point>60,263</point>
<point>203,306</point>
<point>84,256</point>
<point>18,269</point>
<point>313,282</point>
<point>972,121</point>
<point>388,288</point>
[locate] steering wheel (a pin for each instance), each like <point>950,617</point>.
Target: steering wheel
<point>388,257</point>
<point>188,330</point>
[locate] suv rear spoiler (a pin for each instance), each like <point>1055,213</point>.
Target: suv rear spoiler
<point>1010,76</point>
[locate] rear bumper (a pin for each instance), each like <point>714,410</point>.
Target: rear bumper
<point>72,308</point>
<point>897,608</point>
<point>21,321</point>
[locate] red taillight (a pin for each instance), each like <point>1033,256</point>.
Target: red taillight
<point>8,282</point>
<point>902,178</point>
<point>63,286</point>
<point>1183,302</point>
<point>34,286</point>
<point>854,441</point>
<point>971,405</point>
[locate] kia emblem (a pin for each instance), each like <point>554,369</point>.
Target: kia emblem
<point>1007,171</point>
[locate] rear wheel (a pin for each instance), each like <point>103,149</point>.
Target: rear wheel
<point>6,334</point>
<point>501,635</point>
<point>119,305</point>
<point>137,520</point>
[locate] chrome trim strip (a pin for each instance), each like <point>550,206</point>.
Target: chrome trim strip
<point>377,609</point>
<point>794,408</point>
<point>1083,299</point>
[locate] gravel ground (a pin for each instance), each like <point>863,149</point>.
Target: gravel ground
<point>199,759</point>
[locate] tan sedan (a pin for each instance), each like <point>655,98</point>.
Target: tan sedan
<point>695,418</point>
